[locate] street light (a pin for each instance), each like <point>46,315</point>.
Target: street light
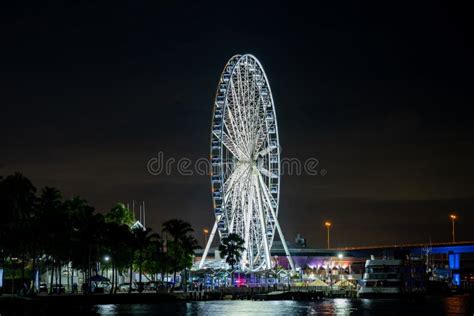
<point>453,218</point>
<point>206,232</point>
<point>106,259</point>
<point>328,225</point>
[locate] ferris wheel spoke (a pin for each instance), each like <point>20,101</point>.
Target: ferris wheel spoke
<point>267,173</point>
<point>232,217</point>
<point>266,151</point>
<point>230,126</point>
<point>244,103</point>
<point>235,200</point>
<point>262,131</point>
<point>255,111</point>
<point>233,179</point>
<point>232,147</point>
<point>235,135</point>
<point>237,123</point>
<point>231,201</point>
<point>237,210</point>
<point>267,200</point>
<point>260,140</point>
<point>270,200</point>
<point>248,103</point>
<point>238,103</point>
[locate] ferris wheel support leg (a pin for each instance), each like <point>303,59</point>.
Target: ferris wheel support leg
<point>287,251</point>
<point>262,227</point>
<point>209,242</point>
<point>247,217</point>
<point>277,224</point>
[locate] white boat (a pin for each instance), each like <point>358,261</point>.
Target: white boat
<point>381,278</point>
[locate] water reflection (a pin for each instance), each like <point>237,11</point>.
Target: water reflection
<point>435,306</point>
<point>108,309</point>
<point>232,308</point>
<point>460,305</point>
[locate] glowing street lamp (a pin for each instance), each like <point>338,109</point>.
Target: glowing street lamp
<point>106,258</point>
<point>328,225</point>
<point>206,233</point>
<point>453,218</point>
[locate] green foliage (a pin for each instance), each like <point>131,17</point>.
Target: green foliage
<point>121,215</point>
<point>182,245</point>
<point>152,254</point>
<point>177,229</point>
<point>17,200</point>
<point>142,239</point>
<point>61,232</point>
<point>231,248</point>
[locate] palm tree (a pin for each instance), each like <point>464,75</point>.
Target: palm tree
<point>17,198</point>
<point>88,237</point>
<point>49,220</point>
<point>179,231</point>
<point>121,215</point>
<point>143,237</point>
<point>94,239</point>
<point>119,239</point>
<point>83,223</point>
<point>116,244</point>
<point>231,248</point>
<point>189,244</point>
<point>152,258</point>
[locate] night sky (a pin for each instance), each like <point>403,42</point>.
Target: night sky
<point>380,93</point>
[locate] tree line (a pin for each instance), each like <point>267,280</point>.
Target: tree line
<point>40,230</point>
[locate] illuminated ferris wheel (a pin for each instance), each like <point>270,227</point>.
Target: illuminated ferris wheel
<point>245,160</point>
